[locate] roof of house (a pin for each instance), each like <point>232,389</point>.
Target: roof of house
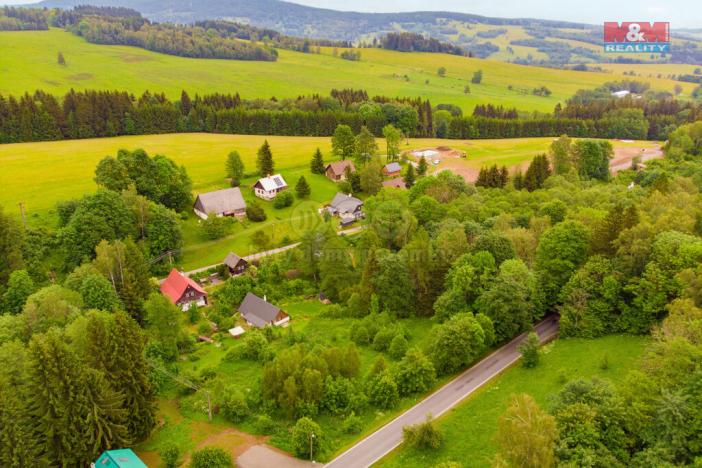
<point>121,458</point>
<point>393,167</point>
<point>397,182</point>
<point>175,285</point>
<point>222,201</point>
<point>257,311</point>
<point>338,167</point>
<point>273,182</point>
<point>232,260</point>
<point>344,203</point>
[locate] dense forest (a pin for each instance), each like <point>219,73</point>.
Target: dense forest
<point>22,19</point>
<point>88,114</point>
<point>412,42</point>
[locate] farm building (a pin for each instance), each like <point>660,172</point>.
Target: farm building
<point>397,182</point>
<point>236,264</point>
<point>121,458</point>
<point>268,187</point>
<point>183,291</point>
<point>226,202</point>
<point>348,208</point>
<point>260,313</point>
<point>336,171</point>
<point>392,169</point>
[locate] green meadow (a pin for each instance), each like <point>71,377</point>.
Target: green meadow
<point>29,62</point>
<point>469,429</point>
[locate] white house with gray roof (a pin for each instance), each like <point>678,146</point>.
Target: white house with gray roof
<point>226,202</point>
<point>268,187</point>
<point>260,313</point>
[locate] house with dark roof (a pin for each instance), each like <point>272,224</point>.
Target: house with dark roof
<point>268,187</point>
<point>226,202</point>
<point>336,171</point>
<point>183,291</point>
<point>236,264</point>
<point>120,458</point>
<point>347,207</point>
<point>392,169</point>
<point>260,313</point>
<point>397,182</point>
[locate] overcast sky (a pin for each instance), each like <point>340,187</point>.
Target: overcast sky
<point>680,13</point>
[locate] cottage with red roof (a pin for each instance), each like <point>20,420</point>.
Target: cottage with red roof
<point>182,291</point>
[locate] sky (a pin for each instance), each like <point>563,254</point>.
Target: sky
<point>680,13</point>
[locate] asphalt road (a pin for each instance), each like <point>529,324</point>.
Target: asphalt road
<point>377,445</point>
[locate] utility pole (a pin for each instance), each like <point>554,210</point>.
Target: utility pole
<point>311,439</point>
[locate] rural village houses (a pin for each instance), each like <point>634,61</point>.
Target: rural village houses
<point>236,264</point>
<point>226,202</point>
<point>348,208</point>
<point>336,171</point>
<point>268,187</point>
<point>183,291</point>
<point>260,313</point>
<point>392,169</point>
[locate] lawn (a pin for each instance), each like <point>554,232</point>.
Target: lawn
<point>470,427</point>
<point>182,423</point>
<point>29,63</point>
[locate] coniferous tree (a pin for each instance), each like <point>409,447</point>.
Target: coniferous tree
<point>185,103</point>
<point>409,176</point>
<point>422,167</point>
<point>61,59</point>
<point>482,180</point>
<point>303,188</point>
<point>504,176</point>
<point>317,165</point>
<point>537,173</point>
<point>264,160</point>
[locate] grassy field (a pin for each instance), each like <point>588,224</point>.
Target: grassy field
<point>188,427</point>
<point>470,427</point>
<point>29,62</point>
<point>41,174</point>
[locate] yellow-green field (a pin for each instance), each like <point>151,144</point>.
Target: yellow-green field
<point>29,62</point>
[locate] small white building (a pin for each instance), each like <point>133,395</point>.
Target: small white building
<point>268,187</point>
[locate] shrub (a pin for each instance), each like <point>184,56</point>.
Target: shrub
<point>233,405</point>
<point>382,391</point>
<point>255,345</point>
<point>255,212</point>
<point>307,437</point>
<point>359,334</point>
<point>352,424</point>
<point>530,350</point>
<point>423,436</point>
<point>382,339</point>
<point>211,457</point>
<point>170,455</point>
<point>283,200</point>
<point>398,346</point>
<point>264,424</point>
<point>216,227</point>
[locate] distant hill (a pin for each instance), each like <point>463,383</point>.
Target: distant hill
<point>521,40</point>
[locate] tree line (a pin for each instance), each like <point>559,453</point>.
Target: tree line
<point>415,42</point>
<point>22,19</point>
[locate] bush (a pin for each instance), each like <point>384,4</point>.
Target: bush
<point>216,227</point>
<point>255,345</point>
<point>423,436</point>
<point>382,391</point>
<point>283,200</point>
<point>211,457</point>
<point>352,424</point>
<point>255,212</point>
<point>170,455</point>
<point>359,334</point>
<point>264,424</point>
<point>398,347</point>
<point>233,405</point>
<point>306,436</point>
<point>382,339</point>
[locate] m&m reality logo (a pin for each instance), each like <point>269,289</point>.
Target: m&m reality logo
<point>637,37</point>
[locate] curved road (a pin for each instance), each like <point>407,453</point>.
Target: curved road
<point>377,445</point>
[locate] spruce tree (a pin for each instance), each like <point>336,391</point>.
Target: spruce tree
<point>317,164</point>
<point>409,176</point>
<point>504,176</point>
<point>303,188</point>
<point>422,167</point>
<point>264,160</point>
<point>482,180</point>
